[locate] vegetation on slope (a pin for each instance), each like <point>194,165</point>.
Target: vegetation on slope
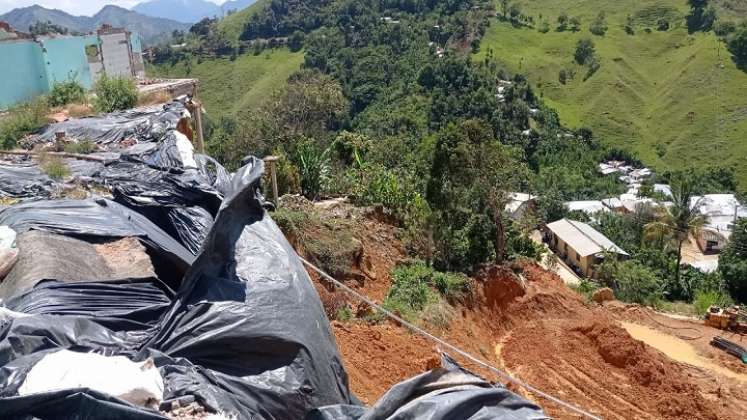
<point>229,87</point>
<point>674,98</point>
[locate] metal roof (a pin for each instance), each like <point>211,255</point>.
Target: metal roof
<point>584,239</point>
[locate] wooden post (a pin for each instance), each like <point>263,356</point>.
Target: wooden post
<point>198,123</point>
<point>272,160</point>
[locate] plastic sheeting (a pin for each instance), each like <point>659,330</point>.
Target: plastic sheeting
<point>99,218</point>
<point>246,333</point>
<point>24,180</point>
<point>142,124</point>
<point>447,393</point>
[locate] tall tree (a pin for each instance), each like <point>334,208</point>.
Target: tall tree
<point>733,262</point>
<point>470,178</point>
<point>678,221</point>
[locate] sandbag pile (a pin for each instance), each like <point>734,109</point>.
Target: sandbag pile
<point>176,289</point>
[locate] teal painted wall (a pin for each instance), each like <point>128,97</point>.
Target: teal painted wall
<point>22,76</point>
<point>136,43</point>
<point>65,58</point>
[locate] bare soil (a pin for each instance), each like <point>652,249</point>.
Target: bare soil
<point>527,321</point>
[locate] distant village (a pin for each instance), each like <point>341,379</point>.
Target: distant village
<point>582,247</point>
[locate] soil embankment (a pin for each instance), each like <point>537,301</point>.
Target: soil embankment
<point>527,321</point>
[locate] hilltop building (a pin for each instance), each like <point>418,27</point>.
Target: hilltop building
<point>35,64</point>
<point>580,245</point>
<point>720,212</point>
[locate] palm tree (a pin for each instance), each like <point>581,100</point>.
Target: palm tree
<point>678,221</point>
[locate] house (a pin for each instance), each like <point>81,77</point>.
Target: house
<point>592,208</point>
<point>720,212</point>
<point>614,204</point>
<point>40,62</point>
<point>519,204</point>
<point>579,245</point>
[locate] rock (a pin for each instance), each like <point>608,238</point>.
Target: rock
<point>605,294</point>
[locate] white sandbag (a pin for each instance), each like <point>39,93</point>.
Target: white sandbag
<point>138,383</point>
<point>7,237</point>
<point>186,150</point>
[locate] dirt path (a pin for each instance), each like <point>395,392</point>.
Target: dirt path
<point>677,349</point>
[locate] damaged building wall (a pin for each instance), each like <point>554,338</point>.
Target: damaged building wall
<point>65,59</point>
<point>33,65</point>
<point>22,74</point>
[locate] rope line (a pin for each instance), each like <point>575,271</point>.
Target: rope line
<point>507,377</point>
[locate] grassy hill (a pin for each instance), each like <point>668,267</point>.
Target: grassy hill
<point>227,87</point>
<point>674,98</point>
<point>233,25</point>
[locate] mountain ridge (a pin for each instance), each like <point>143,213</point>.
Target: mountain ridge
<point>151,29</point>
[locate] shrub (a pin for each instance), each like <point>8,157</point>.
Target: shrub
<point>632,282</point>
<point>66,92</point>
<point>584,51</point>
<point>55,167</point>
<point>704,299</point>
<point>598,25</point>
<point>543,27</point>
<point>82,147</point>
<point>329,242</point>
<point>22,120</point>
<point>115,93</point>
<point>417,290</point>
<point>313,167</point>
<point>585,288</point>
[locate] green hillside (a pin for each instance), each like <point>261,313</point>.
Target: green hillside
<point>675,99</point>
<point>233,25</point>
<point>227,87</point>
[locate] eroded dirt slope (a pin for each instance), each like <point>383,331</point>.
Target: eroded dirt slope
<point>528,322</point>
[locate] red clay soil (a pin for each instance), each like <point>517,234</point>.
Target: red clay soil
<point>530,323</point>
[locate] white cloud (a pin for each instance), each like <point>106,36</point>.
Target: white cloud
<point>74,7</point>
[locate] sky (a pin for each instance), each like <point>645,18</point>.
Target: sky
<point>74,7</point>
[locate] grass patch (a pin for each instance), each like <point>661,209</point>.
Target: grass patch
<point>82,147</point>
<point>420,293</point>
<point>55,167</point>
<point>328,241</point>
<point>229,87</point>
<point>22,120</point>
<point>705,299</point>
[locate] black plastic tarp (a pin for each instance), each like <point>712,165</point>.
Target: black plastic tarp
<point>246,333</point>
<point>446,393</point>
<point>24,180</point>
<point>142,124</point>
<point>123,305</point>
<point>100,218</point>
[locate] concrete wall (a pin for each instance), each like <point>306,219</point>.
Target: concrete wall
<point>65,58</point>
<point>22,75</point>
<point>115,49</point>
<point>571,257</point>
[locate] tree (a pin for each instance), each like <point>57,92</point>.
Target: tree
<point>575,24</point>
<point>295,41</point>
<point>732,263</point>
<point>504,8</point>
<point>678,221</point>
<point>470,177</point>
<point>701,17</point>
<point>585,51</point>
<point>515,12</point>
<point>737,44</point>
<point>629,25</point>
<point>598,25</point>
<point>562,22</point>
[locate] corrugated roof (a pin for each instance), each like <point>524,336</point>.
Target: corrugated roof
<point>584,239</point>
